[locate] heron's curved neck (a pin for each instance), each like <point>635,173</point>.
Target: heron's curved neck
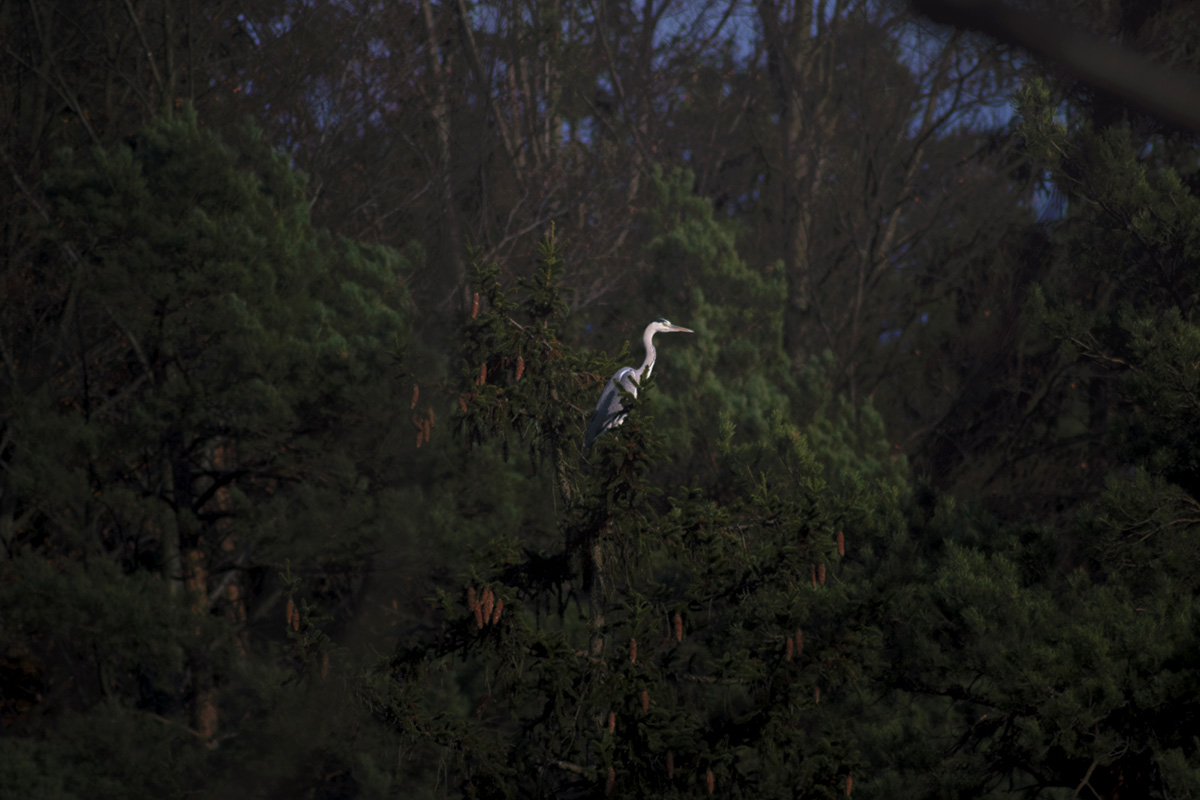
<point>647,365</point>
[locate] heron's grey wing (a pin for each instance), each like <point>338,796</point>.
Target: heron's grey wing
<point>609,411</point>
<point>628,379</point>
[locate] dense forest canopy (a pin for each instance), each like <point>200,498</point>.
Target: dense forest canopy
<point>306,307</point>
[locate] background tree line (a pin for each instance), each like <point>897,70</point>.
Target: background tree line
<point>305,307</point>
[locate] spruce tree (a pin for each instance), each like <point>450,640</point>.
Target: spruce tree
<point>665,640</point>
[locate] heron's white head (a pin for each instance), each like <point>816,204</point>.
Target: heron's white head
<point>663,326</point>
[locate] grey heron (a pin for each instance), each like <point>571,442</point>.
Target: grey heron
<point>609,412</point>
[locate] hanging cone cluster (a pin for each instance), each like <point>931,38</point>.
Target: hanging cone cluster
<point>293,616</point>
<point>488,601</point>
<point>423,424</point>
<point>487,609</point>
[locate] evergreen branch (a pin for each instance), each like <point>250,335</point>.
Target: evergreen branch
<point>1092,350</point>
<point>1164,526</point>
<point>533,337</point>
<point>712,680</point>
<point>952,691</point>
<point>1086,777</point>
<point>219,482</point>
<point>1152,251</point>
<point>567,766</point>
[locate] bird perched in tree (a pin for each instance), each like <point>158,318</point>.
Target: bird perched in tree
<point>609,412</point>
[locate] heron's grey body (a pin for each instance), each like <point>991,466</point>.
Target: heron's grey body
<point>609,411</point>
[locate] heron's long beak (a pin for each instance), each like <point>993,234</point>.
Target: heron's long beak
<point>679,329</point>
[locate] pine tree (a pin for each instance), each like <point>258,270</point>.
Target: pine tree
<point>1061,657</point>
<point>194,381</point>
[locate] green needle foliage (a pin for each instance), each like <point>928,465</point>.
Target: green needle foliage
<point>257,541</point>
<point>665,636</point>
<point>1068,653</point>
<point>192,399</point>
